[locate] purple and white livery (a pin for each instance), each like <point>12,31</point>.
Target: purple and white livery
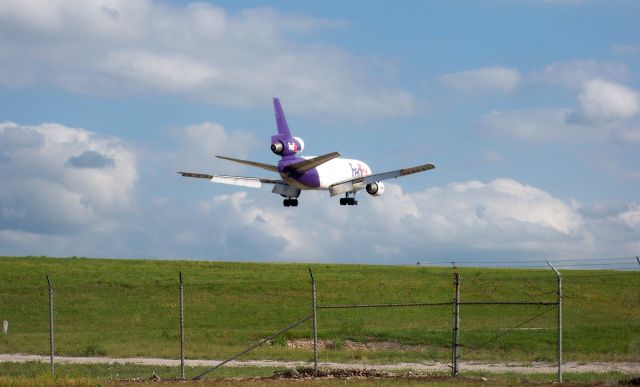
<point>327,172</point>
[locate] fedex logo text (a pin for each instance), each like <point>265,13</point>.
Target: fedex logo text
<point>358,170</point>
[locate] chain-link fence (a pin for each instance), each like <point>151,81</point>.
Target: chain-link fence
<point>123,324</point>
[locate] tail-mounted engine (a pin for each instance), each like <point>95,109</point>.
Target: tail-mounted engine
<point>286,147</point>
<point>375,189</point>
<point>277,147</point>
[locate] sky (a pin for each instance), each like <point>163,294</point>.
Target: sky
<point>529,109</point>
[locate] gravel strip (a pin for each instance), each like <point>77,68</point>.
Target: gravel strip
<point>523,368</point>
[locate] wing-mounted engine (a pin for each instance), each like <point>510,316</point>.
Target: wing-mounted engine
<point>286,146</point>
<point>375,189</point>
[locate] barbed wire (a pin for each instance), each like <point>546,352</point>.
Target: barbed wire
<point>536,263</point>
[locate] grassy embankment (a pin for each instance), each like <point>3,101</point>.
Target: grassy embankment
<point>127,308</point>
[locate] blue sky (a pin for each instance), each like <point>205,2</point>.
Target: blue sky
<point>529,109</point>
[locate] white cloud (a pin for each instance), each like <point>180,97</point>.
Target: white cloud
<point>631,217</point>
<point>573,74</point>
<point>502,203</point>
<point>499,218</point>
<point>605,111</point>
<point>173,73</point>
<point>603,101</point>
<point>484,79</point>
<point>539,125</point>
<point>264,221</point>
<point>210,138</point>
<point>197,51</point>
<point>473,219</point>
<point>195,146</point>
<point>50,186</point>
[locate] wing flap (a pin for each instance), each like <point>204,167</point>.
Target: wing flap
<point>251,182</point>
<point>194,174</point>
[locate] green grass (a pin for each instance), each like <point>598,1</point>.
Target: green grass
<point>37,374</point>
<point>125,308</point>
<point>508,378</point>
<point>34,370</point>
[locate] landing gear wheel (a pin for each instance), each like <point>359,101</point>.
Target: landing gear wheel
<point>290,202</point>
<point>349,200</point>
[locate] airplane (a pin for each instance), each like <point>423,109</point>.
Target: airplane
<point>298,173</point>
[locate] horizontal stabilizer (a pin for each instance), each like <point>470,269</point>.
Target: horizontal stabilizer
<point>305,165</point>
<point>268,167</point>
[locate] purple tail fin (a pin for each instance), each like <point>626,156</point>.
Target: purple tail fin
<point>281,121</point>
<point>283,144</point>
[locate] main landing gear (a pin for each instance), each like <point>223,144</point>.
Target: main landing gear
<point>349,201</point>
<point>290,202</point>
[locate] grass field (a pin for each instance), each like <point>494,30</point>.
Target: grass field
<point>130,308</point>
<point>37,374</point>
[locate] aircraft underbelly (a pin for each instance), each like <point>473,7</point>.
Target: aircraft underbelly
<point>297,184</point>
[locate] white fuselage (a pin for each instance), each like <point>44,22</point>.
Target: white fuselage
<point>331,172</point>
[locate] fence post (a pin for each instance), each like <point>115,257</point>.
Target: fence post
<point>181,328</point>
<point>51,341</point>
<point>314,321</point>
<point>455,347</point>
<point>559,344</point>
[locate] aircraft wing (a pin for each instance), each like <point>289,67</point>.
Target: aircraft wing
<point>360,182</point>
<point>251,182</point>
<point>268,167</point>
